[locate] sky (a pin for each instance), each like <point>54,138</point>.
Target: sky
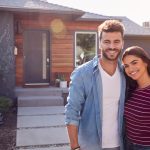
<point>136,10</point>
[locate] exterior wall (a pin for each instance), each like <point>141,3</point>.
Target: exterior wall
<point>143,42</point>
<point>62,32</point>
<point>7,64</point>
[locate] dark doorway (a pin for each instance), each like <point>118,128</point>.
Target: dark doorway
<point>36,57</point>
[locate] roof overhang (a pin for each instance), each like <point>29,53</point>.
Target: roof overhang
<point>131,36</point>
<point>15,9</point>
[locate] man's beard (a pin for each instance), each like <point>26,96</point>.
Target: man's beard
<point>104,54</point>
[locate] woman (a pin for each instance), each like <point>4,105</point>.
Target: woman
<point>137,107</point>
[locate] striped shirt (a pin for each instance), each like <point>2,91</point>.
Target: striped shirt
<point>137,117</point>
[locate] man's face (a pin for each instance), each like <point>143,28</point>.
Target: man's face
<point>111,44</point>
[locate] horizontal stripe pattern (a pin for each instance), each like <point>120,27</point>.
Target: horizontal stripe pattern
<point>137,116</point>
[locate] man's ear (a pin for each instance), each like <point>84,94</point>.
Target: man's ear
<point>123,44</point>
<point>99,45</point>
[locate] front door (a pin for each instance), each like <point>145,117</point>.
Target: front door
<point>36,57</point>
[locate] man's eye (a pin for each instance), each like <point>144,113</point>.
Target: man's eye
<point>106,42</point>
<point>117,42</point>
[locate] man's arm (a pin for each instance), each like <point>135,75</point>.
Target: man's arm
<point>75,100</point>
<point>73,135</point>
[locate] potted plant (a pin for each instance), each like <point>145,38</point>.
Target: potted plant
<point>57,79</point>
<point>63,82</point>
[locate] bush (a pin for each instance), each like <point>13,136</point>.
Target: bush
<point>5,104</point>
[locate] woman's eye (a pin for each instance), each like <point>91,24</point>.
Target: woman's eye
<point>125,66</point>
<point>134,63</point>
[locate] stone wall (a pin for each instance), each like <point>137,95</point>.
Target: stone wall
<point>7,58</point>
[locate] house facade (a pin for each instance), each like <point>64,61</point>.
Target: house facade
<point>41,41</point>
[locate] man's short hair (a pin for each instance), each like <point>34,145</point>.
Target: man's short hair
<point>111,26</point>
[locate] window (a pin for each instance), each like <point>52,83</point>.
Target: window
<point>85,47</point>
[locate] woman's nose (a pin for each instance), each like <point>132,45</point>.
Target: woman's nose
<point>131,69</point>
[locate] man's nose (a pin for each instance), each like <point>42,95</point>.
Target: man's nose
<point>112,45</point>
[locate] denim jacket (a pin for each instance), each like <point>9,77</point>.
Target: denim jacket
<point>84,107</point>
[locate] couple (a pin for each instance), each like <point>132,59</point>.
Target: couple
<point>105,111</point>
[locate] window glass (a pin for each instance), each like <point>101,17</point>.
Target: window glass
<point>85,47</point>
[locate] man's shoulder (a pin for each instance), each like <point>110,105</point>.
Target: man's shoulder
<point>88,66</point>
<point>85,71</point>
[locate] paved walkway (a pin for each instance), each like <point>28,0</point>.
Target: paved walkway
<point>41,128</point>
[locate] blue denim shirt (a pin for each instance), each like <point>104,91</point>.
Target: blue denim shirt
<point>84,107</point>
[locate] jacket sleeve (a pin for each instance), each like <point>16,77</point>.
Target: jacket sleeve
<point>76,98</point>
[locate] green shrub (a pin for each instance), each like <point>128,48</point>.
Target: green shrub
<point>5,104</point>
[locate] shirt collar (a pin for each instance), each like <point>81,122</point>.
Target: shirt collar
<point>96,62</point>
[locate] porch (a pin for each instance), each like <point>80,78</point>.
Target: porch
<point>42,96</point>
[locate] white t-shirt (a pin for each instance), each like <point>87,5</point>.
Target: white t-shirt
<point>111,94</point>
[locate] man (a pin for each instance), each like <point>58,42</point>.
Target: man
<point>94,113</point>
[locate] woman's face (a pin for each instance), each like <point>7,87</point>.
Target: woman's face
<point>134,67</point>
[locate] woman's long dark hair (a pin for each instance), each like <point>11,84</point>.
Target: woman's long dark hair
<point>140,53</point>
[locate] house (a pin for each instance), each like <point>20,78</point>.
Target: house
<point>40,40</point>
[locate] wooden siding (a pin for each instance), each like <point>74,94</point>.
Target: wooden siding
<point>61,41</point>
